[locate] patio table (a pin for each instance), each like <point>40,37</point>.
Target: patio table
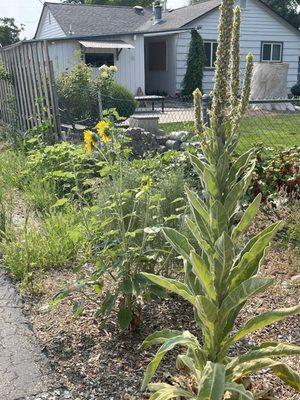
<point>153,100</point>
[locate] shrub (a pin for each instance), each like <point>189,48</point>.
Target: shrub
<point>296,89</point>
<point>118,97</point>
<point>195,65</point>
<point>221,269</point>
<point>64,167</point>
<point>77,92</point>
<point>276,173</point>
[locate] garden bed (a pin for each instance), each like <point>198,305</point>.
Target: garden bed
<point>100,362</point>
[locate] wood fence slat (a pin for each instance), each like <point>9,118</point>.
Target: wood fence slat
<point>33,79</point>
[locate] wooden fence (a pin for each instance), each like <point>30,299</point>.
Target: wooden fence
<point>30,96</point>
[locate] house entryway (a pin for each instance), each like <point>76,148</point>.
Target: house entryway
<point>160,65</point>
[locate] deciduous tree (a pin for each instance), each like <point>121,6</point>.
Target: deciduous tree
<point>9,31</point>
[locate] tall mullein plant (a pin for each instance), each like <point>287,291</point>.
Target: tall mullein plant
<point>221,274</point>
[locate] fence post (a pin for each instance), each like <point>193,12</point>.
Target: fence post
<point>100,105</point>
<point>206,104</point>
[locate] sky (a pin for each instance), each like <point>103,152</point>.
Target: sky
<point>27,12</point>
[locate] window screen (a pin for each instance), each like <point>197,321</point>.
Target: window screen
<point>271,52</point>
<point>157,55</point>
<point>98,59</point>
<point>210,49</point>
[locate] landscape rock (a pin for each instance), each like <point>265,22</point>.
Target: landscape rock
<point>141,141</point>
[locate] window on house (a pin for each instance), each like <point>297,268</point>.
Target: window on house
<point>210,53</point>
<point>98,59</point>
<point>271,52</point>
<point>157,55</point>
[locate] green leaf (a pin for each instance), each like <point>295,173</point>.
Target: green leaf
<point>239,166</point>
<point>197,164</point>
<point>282,349</point>
<point>77,308</point>
<point>172,285</point>
<point>252,259</point>
<point>262,320</point>
<point>247,218</point>
<point>285,373</point>
<point>124,318</point>
<point>212,382</point>
<point>179,242</point>
<point>108,303</point>
<point>226,254</point>
<point>184,361</point>
<point>127,286</point>
<point>184,339</point>
<point>60,296</point>
<point>210,183</point>
<point>97,287</point>
<point>207,310</point>
<point>164,391</point>
<point>160,337</point>
<point>198,235</point>
<point>218,219</point>
<point>60,202</point>
<point>238,190</point>
<point>242,293</point>
<point>240,389</point>
<point>202,272</point>
<point>197,204</point>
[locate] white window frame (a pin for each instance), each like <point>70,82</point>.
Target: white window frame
<point>272,44</point>
<point>211,42</point>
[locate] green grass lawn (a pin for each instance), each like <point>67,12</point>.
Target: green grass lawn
<point>269,130</point>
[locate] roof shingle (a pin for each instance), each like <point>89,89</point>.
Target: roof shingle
<point>93,20</point>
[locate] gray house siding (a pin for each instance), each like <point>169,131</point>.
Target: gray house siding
<point>49,27</point>
<point>258,25</point>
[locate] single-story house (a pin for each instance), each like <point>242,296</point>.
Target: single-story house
<point>150,46</point>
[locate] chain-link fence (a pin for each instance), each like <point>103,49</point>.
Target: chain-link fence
<point>269,123</point>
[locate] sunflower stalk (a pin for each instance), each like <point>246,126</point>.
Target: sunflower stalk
<point>221,271</point>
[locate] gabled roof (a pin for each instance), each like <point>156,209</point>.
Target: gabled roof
<point>89,20</point>
<point>180,17</point>
<point>93,20</point>
<point>97,20</point>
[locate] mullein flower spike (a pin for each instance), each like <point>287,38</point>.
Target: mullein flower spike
<point>221,96</point>
<point>198,111</point>
<point>235,61</point>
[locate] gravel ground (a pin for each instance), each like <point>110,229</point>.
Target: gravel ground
<point>102,363</point>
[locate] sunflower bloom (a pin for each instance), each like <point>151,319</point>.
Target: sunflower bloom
<point>147,183</point>
<point>89,142</point>
<point>102,129</point>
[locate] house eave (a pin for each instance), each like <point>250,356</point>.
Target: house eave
<point>94,37</point>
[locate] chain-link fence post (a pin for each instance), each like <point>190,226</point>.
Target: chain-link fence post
<point>206,104</point>
<point>100,105</point>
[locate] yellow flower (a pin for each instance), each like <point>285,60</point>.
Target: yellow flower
<point>102,129</point>
<point>89,142</point>
<point>147,183</point>
<point>113,68</point>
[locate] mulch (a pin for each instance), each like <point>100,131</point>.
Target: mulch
<point>100,362</point>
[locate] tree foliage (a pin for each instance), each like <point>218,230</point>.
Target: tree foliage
<point>287,9</point>
<point>9,31</point>
<point>195,65</point>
